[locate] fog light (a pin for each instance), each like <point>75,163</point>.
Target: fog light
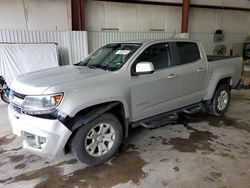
<point>34,141</point>
<point>42,140</point>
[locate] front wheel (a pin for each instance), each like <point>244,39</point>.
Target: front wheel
<point>4,97</point>
<point>220,101</point>
<point>98,141</point>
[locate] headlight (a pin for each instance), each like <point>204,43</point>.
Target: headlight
<point>41,104</point>
<point>11,95</point>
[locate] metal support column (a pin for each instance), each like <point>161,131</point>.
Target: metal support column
<point>78,15</point>
<point>185,15</point>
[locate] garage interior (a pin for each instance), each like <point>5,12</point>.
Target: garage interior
<point>198,150</point>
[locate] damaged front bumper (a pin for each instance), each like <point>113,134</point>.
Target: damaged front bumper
<point>44,137</point>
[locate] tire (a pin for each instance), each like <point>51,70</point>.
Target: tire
<point>5,98</point>
<point>220,101</point>
<point>86,137</point>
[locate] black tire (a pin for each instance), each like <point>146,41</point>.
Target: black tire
<point>5,98</point>
<point>213,107</point>
<point>78,144</point>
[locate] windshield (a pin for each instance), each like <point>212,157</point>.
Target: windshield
<point>111,56</point>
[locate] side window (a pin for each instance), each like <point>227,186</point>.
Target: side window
<point>158,54</point>
<point>188,52</point>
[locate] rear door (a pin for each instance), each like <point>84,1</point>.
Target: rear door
<point>192,70</point>
<point>155,93</point>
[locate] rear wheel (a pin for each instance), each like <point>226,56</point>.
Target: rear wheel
<point>4,97</point>
<point>220,101</point>
<point>97,141</point>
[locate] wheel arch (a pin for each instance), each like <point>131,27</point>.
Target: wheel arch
<point>214,84</point>
<point>213,87</point>
<point>226,80</point>
<point>90,113</point>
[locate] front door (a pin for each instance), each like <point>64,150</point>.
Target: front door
<point>155,93</point>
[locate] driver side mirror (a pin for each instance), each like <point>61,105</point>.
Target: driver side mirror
<point>144,68</point>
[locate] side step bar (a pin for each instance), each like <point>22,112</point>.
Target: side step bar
<point>160,121</point>
<point>192,110</point>
<point>166,118</point>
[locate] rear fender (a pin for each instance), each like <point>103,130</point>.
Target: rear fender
<point>213,84</point>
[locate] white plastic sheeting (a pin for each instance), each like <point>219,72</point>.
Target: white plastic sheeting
<point>17,59</point>
<point>72,45</point>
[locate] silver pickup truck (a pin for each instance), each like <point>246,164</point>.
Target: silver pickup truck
<point>90,106</point>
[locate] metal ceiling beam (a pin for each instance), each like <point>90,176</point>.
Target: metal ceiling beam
<point>179,5</point>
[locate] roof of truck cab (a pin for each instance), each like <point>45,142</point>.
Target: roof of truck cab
<point>148,41</point>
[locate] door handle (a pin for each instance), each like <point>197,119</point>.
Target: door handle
<point>200,70</point>
<point>172,76</point>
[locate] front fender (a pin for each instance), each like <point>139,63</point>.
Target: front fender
<point>72,108</point>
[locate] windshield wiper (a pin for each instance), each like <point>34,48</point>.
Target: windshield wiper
<point>93,67</point>
<point>80,63</point>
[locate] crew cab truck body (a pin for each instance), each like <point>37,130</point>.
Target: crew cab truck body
<point>90,106</point>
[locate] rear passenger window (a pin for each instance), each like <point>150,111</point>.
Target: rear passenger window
<point>188,52</point>
<point>158,54</point>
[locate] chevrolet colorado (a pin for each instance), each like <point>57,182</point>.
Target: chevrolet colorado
<point>89,106</point>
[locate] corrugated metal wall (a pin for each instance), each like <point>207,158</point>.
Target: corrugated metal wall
<point>72,45</point>
<point>75,45</point>
<point>229,40</point>
<point>97,39</point>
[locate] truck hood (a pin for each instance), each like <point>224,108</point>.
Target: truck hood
<point>36,83</point>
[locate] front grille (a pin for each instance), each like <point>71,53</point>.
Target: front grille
<point>17,108</point>
<point>16,101</point>
<point>19,95</point>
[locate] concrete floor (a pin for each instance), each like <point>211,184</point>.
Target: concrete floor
<point>198,151</point>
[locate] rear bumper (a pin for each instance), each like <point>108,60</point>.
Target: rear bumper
<point>238,86</point>
<point>43,137</point>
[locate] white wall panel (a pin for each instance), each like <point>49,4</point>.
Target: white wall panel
<point>210,2</point>
<point>56,15</point>
<point>120,15</point>
<point>235,22</point>
<point>132,17</point>
<point>95,16</point>
<point>232,3</point>
<point>47,14</point>
<point>150,18</point>
<point>203,21</point>
<point>35,14</point>
<point>145,18</point>
<point>209,20</point>
<point>173,19</point>
<point>12,14</point>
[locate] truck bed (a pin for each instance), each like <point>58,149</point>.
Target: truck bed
<point>225,65</point>
<point>211,58</point>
